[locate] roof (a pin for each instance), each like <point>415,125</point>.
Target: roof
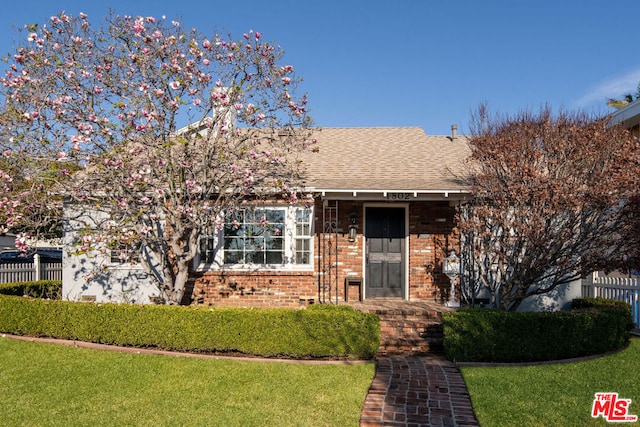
<point>629,115</point>
<point>386,159</point>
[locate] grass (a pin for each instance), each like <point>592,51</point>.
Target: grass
<point>553,395</point>
<point>52,385</point>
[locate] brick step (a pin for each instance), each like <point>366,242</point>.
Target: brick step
<point>409,335</point>
<point>407,328</point>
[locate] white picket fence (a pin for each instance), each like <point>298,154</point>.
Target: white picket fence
<point>616,288</point>
<point>30,271</point>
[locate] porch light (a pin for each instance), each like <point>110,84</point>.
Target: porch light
<point>451,267</point>
<point>353,218</point>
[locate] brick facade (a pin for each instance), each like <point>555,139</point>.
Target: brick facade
<point>431,235</point>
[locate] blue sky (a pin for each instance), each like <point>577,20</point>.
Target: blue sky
<point>426,63</point>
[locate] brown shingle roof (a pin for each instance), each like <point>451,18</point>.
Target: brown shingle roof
<point>386,159</point>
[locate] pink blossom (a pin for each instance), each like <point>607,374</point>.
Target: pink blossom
<point>83,15</point>
<point>175,23</point>
<point>174,85</point>
<point>258,35</point>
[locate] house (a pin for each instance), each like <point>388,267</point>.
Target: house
<point>380,225</point>
<point>561,297</point>
<point>629,116</point>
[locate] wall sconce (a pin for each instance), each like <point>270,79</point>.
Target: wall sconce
<point>353,218</point>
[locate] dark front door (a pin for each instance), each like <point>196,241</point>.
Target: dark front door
<point>385,247</point>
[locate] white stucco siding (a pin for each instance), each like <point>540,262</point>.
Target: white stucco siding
<point>95,277</point>
<point>558,299</point>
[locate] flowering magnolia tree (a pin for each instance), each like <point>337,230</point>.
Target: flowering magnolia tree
<point>554,200</point>
<point>153,129</point>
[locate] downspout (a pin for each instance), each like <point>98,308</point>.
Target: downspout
<point>321,244</point>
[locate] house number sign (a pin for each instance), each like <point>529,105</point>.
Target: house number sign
<point>398,196</point>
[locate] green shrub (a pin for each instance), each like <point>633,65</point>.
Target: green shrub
<point>327,332</point>
<point>49,289</point>
<point>482,335</point>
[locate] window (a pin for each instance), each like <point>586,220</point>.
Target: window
<point>266,236</point>
<point>125,252</point>
<point>254,236</point>
<point>303,237</point>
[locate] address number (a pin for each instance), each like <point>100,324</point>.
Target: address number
<point>399,196</point>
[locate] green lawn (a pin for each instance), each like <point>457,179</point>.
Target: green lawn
<point>553,395</point>
<point>53,385</point>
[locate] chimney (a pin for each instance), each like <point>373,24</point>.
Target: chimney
<point>454,132</point>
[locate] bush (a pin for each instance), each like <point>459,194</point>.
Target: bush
<point>593,326</point>
<point>327,332</point>
<point>48,289</point>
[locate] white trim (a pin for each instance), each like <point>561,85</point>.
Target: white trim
<point>289,246</point>
<point>323,191</point>
<point>392,195</point>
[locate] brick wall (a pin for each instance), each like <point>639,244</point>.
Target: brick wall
<point>431,236</point>
<point>255,289</point>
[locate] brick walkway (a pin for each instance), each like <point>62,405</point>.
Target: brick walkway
<point>417,391</point>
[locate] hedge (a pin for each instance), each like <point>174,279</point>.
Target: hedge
<point>50,289</point>
<point>593,326</point>
<point>315,332</point>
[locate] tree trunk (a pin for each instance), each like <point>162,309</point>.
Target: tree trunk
<point>179,284</point>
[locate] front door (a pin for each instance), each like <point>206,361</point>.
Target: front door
<point>385,252</point>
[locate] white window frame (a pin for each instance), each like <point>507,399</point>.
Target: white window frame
<point>290,239</point>
<point>133,260</point>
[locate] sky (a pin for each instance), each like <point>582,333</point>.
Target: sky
<point>425,63</point>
